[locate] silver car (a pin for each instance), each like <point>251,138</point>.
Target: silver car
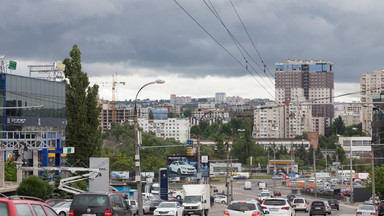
<point>63,209</point>
<point>133,204</point>
<point>244,208</point>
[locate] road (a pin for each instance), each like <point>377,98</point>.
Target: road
<point>240,193</point>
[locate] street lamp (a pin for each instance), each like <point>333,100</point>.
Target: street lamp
<point>137,146</point>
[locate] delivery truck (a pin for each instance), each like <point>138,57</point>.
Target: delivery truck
<point>197,199</point>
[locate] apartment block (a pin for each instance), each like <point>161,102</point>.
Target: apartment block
<point>356,146</point>
<point>304,91</point>
<point>371,85</point>
<point>171,128</point>
<point>220,98</point>
<point>179,100</point>
<point>350,113</point>
<point>210,115</point>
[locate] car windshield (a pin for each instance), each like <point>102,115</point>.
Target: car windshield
<point>332,201</point>
<point>183,163</point>
<point>191,199</point>
<point>366,207</point>
<point>167,205</point>
<point>274,202</point>
<point>298,201</point>
<point>90,200</point>
<point>265,194</point>
<point>242,206</point>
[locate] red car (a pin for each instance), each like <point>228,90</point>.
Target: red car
<point>23,205</point>
<point>277,193</point>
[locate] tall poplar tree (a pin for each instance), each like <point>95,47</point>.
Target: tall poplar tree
<point>82,110</point>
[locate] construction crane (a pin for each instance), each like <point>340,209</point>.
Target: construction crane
<point>114,83</point>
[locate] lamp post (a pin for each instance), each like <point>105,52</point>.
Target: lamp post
<point>137,153</point>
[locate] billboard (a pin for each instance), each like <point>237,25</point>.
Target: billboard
<point>119,175</point>
<point>186,166</point>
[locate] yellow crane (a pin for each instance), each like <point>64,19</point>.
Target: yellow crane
<point>114,83</point>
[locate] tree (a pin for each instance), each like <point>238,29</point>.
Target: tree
<point>33,186</point>
<point>379,181</point>
<point>82,110</point>
<point>10,172</point>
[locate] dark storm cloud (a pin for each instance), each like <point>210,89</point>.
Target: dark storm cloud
<point>157,34</point>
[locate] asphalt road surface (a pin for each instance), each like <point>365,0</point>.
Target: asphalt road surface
<point>240,193</point>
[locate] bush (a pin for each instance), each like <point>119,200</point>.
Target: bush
<point>10,172</point>
<point>33,186</point>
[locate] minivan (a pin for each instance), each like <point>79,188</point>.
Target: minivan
<point>95,203</point>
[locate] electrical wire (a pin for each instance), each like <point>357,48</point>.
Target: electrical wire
<point>213,38</point>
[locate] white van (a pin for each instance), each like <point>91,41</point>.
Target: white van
<point>247,185</point>
<point>155,189</point>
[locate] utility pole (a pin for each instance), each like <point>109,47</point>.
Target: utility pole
<point>292,160</point>
<point>350,170</point>
<point>314,171</point>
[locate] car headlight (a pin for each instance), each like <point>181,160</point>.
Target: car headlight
<point>172,211</point>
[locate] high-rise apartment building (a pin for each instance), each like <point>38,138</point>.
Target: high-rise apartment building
<point>371,86</point>
<point>220,98</point>
<point>300,82</point>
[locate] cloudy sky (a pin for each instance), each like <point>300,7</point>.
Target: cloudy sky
<point>185,43</point>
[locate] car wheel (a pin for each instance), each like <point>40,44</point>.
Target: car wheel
<point>337,208</point>
<point>178,197</point>
<point>62,214</point>
<point>177,213</point>
<point>178,172</point>
<point>223,202</point>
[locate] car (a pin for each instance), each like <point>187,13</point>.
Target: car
<point>317,208</point>
<point>328,208</point>
<point>150,206</point>
<point>380,208</point>
<point>334,203</point>
<point>182,168</point>
<point>61,203</point>
<point>264,195</point>
<point>62,210</point>
<point>220,198</point>
<point>95,203</point>
<point>169,208</point>
<point>277,193</point>
<point>278,207</point>
<point>133,204</point>
<point>244,208</point>
<point>239,177</point>
<point>24,205</point>
<point>178,194</point>
<point>301,204</point>
<point>277,177</point>
<point>53,202</point>
<point>290,197</point>
<point>365,209</point>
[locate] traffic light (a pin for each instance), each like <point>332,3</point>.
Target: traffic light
<point>189,151</point>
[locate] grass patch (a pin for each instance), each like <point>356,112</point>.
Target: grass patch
<point>262,177</point>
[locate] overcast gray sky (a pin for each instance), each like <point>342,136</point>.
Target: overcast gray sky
<point>144,40</point>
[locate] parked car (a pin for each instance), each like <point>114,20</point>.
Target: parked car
<point>327,207</point>
<point>23,205</point>
<point>169,208</point>
<point>277,193</point>
<point>364,209</point>
<point>53,202</point>
<point>244,208</point>
<point>220,198</point>
<point>278,207</point>
<point>380,208</point>
<point>150,206</point>
<point>182,168</point>
<point>62,210</point>
<point>301,204</point>
<point>334,203</point>
<point>317,208</point>
<point>99,203</point>
<point>133,204</point>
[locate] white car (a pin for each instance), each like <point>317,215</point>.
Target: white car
<point>264,195</point>
<point>328,208</point>
<point>63,208</point>
<point>365,210</point>
<point>221,199</point>
<point>178,194</point>
<point>182,168</point>
<point>278,207</point>
<point>244,208</point>
<point>169,208</point>
<point>301,204</point>
<point>133,204</point>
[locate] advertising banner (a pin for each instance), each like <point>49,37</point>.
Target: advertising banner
<point>186,166</point>
<point>119,175</point>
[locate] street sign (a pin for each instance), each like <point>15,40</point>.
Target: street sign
<point>12,65</point>
<point>332,187</point>
<point>294,186</point>
<point>68,150</point>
